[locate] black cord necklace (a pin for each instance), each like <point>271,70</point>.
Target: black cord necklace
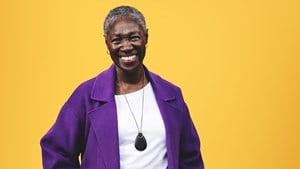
<point>140,140</point>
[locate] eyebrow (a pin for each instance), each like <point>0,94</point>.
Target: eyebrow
<point>127,34</point>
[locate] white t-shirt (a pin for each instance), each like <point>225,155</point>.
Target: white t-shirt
<point>153,129</point>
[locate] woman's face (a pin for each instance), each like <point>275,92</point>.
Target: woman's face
<point>126,42</point>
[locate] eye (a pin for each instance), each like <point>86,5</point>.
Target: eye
<point>116,40</point>
<point>135,38</point>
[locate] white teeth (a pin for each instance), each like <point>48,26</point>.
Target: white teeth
<point>128,58</point>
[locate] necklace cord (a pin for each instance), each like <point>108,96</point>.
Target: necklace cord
<point>131,111</point>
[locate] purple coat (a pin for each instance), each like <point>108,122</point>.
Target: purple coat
<point>87,127</point>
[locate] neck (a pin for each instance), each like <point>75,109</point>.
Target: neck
<point>130,82</point>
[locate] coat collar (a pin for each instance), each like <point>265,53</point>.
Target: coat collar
<point>104,86</point>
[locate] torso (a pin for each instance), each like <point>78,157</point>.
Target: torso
<point>154,156</point>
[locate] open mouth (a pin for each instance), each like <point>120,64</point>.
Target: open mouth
<point>131,58</point>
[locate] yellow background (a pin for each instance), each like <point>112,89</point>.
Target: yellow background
<point>237,62</point>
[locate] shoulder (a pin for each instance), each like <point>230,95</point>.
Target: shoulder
<point>95,86</point>
<point>83,97</point>
<point>84,88</point>
<point>162,82</point>
<point>165,89</point>
<point>80,96</point>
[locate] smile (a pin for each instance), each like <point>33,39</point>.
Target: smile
<point>128,58</point>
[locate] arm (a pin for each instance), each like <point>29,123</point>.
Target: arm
<point>61,145</point>
<point>190,155</point>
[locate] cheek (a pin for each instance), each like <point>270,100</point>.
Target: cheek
<point>114,59</point>
<point>139,46</point>
<point>112,49</point>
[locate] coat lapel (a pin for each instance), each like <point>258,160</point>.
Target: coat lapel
<point>104,123</point>
<point>166,100</point>
<point>104,118</point>
<point>170,137</point>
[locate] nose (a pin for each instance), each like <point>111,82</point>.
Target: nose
<point>126,45</point>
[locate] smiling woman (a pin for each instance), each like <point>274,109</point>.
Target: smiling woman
<point>127,116</point>
<point>126,42</point>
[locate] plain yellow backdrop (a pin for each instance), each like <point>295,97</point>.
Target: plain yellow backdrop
<point>237,63</point>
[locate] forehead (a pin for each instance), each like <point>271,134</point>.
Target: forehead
<point>124,26</point>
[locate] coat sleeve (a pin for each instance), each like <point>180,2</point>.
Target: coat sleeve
<point>190,155</point>
<point>62,144</point>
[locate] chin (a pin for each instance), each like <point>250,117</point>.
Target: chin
<point>130,69</point>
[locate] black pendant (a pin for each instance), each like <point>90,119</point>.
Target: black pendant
<point>140,142</point>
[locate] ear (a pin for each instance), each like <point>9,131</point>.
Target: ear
<point>105,39</point>
<point>146,36</point>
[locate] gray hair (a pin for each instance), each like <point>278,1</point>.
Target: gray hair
<point>123,12</point>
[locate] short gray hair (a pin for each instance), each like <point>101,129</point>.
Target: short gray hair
<point>123,12</point>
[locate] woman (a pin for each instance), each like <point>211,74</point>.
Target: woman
<point>127,116</point>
